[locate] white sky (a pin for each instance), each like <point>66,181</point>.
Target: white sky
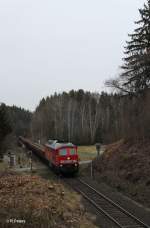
<point>57,45</point>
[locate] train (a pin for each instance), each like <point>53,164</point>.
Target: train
<point>62,157</point>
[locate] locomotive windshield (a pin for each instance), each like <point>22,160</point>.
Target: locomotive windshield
<point>63,152</point>
<point>72,151</point>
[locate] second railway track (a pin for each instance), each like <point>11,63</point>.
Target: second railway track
<point>114,212</point>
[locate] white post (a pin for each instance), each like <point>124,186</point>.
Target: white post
<point>30,160</point>
<point>92,169</point>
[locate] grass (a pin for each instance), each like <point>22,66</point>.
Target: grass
<point>87,219</point>
<point>87,152</point>
<point>3,166</point>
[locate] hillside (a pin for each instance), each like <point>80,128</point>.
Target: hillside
<point>30,201</point>
<point>20,120</point>
<point>125,165</point>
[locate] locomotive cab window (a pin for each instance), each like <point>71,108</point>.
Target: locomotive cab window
<point>72,151</point>
<point>62,152</point>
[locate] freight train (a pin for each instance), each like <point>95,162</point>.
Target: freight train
<point>60,156</point>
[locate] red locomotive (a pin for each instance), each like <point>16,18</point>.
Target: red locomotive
<point>60,156</point>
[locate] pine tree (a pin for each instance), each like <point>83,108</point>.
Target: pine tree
<point>5,127</point>
<point>135,77</point>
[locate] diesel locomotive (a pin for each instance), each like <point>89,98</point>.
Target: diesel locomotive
<point>62,157</point>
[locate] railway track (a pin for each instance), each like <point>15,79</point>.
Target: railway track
<point>114,212</point>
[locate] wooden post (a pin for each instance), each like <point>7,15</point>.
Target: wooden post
<point>31,164</point>
<point>98,148</point>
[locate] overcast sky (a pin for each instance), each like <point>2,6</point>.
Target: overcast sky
<point>57,45</point>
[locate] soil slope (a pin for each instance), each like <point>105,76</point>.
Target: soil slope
<point>126,166</point>
<point>39,203</point>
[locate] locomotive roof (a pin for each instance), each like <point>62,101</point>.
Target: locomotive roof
<point>55,144</point>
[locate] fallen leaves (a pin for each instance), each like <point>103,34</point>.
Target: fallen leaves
<point>37,201</point>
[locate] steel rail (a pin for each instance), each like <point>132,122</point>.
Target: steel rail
<point>98,207</point>
<point>117,206</point>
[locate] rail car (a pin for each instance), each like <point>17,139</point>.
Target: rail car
<point>60,156</point>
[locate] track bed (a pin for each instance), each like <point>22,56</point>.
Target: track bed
<point>118,215</point>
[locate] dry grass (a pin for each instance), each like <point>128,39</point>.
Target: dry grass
<point>87,152</point>
<point>40,203</point>
<point>3,166</point>
<point>74,200</point>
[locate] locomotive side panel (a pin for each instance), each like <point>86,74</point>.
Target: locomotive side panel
<point>52,156</point>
